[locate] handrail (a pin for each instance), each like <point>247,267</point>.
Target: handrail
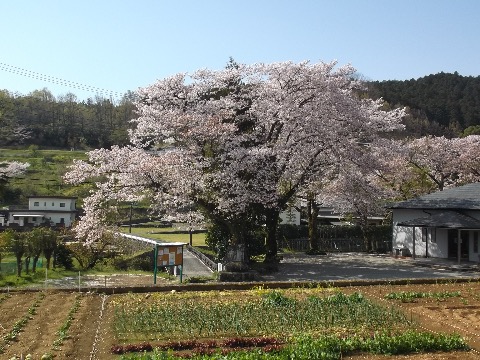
<point>212,265</point>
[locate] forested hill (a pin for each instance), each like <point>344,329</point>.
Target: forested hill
<point>64,122</point>
<point>441,104</point>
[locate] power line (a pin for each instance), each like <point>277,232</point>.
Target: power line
<point>54,80</point>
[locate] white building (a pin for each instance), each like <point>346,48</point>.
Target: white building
<point>290,216</point>
<point>53,210</point>
<point>444,224</point>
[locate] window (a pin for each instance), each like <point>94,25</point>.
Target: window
<point>475,241</point>
<point>53,204</point>
<point>62,204</point>
<point>429,234</point>
<point>16,218</point>
<point>36,203</point>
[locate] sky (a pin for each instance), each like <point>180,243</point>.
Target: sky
<point>109,47</point>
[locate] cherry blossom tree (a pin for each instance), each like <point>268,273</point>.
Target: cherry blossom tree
<point>9,170</point>
<point>399,170</point>
<point>233,142</point>
<point>445,162</point>
<point>359,189</point>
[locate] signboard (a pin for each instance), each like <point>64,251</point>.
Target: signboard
<point>169,255</point>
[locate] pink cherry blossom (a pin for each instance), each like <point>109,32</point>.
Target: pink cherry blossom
<point>219,143</point>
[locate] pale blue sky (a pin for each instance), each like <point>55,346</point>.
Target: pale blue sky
<point>120,45</point>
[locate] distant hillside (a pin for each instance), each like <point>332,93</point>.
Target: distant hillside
<point>440,104</point>
<point>63,123</point>
<point>44,177</point>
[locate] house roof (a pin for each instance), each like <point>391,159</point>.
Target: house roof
<point>466,197</point>
<point>445,219</point>
<point>26,212</point>
<point>51,197</point>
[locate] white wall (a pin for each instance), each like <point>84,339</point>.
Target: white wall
<point>50,203</point>
<point>290,216</point>
<point>68,218</point>
<point>402,236</point>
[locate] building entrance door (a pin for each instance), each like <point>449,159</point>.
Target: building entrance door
<point>453,243</point>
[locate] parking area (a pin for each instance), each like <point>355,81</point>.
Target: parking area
<point>360,266</point>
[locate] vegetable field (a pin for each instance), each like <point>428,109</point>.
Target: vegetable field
<point>353,323</point>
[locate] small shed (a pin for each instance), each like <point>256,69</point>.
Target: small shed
<point>444,224</point>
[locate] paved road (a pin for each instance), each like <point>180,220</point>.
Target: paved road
<point>194,267</point>
<point>354,266</point>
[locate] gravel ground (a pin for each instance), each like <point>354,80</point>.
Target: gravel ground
<point>299,267</point>
<point>359,266</point>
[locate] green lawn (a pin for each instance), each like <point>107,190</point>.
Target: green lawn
<point>45,174</point>
<point>152,233</point>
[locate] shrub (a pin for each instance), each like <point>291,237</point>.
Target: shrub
<point>63,257</point>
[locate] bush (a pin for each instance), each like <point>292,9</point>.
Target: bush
<point>218,235</point>
<point>63,257</point>
<point>216,239</point>
<point>288,231</point>
<point>143,262</point>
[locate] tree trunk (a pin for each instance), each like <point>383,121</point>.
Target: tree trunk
<point>366,236</point>
<point>19,265</point>
<point>27,265</point>
<point>313,237</point>
<point>34,264</point>
<point>271,223</point>
<point>236,251</point>
<point>48,257</point>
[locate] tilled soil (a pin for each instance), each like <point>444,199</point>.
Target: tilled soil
<point>90,335</point>
<point>459,315</point>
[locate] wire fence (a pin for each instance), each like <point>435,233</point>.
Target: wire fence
<point>10,268</point>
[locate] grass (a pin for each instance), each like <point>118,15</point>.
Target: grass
<point>44,176</point>
<point>12,280</point>
<point>166,235</point>
<point>34,278</point>
<point>9,278</point>
<point>324,347</point>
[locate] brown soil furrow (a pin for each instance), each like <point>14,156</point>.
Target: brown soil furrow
<point>11,308</point>
<point>460,314</point>
<point>82,331</point>
<point>37,337</point>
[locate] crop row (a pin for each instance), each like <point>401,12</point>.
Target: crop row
<point>271,314</point>
<point>410,296</point>
<point>21,323</point>
<point>326,347</point>
<point>63,330</point>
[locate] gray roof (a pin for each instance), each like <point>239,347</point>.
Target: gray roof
<point>466,197</point>
<point>445,219</point>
